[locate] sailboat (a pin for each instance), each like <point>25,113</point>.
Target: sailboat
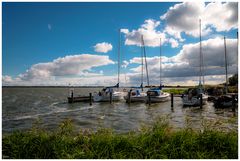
<point>193,96</point>
<point>225,100</point>
<point>156,94</point>
<point>137,94</point>
<point>106,93</point>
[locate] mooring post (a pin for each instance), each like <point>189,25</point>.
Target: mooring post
<point>201,100</point>
<point>149,99</point>
<point>90,99</point>
<point>172,101</point>
<point>129,97</point>
<point>111,97</point>
<point>182,95</point>
<point>72,96</point>
<point>233,103</point>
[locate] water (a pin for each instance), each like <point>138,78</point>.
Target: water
<point>23,107</point>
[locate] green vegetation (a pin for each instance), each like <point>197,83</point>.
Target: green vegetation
<point>233,81</point>
<point>175,90</point>
<point>156,141</point>
<point>232,89</point>
<point>220,89</point>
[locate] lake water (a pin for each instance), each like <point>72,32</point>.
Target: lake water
<point>22,107</point>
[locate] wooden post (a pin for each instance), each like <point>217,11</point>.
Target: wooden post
<point>129,97</point>
<point>90,99</point>
<point>149,99</point>
<point>111,97</point>
<point>233,103</point>
<point>201,100</point>
<point>172,101</point>
<point>72,96</point>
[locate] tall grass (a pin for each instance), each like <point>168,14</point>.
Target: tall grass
<point>155,141</point>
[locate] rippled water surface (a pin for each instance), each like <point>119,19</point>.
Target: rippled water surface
<point>22,107</point>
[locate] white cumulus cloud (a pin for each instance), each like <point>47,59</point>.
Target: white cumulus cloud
<point>103,47</point>
<point>186,63</point>
<point>71,65</point>
<point>149,32</point>
<point>7,79</point>
<point>184,17</point>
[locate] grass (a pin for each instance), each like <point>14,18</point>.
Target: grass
<point>155,141</point>
<point>175,91</point>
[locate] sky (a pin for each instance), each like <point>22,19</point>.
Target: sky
<point>77,43</point>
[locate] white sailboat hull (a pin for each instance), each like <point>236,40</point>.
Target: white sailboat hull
<point>137,98</point>
<point>162,98</point>
<point>116,96</point>
<point>194,101</point>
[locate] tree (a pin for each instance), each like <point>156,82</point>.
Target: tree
<point>233,80</point>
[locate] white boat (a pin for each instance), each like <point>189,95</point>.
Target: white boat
<point>225,100</point>
<point>105,95</point>
<point>193,98</point>
<point>136,96</point>
<point>156,95</point>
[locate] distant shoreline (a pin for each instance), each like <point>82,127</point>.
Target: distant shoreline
<point>85,87</point>
<point>52,86</point>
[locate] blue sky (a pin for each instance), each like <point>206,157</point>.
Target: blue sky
<point>36,33</point>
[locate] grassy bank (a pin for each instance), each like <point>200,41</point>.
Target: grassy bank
<point>175,90</point>
<point>156,141</point>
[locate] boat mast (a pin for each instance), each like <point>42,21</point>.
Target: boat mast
<point>237,52</point>
<point>142,66</point>
<point>119,45</point>
<point>225,53</point>
<point>200,54</point>
<point>202,65</point>
<point>144,52</point>
<point>160,61</point>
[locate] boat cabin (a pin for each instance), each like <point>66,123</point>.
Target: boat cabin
<point>154,92</point>
<point>135,92</point>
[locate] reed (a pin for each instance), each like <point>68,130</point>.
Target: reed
<point>156,141</point>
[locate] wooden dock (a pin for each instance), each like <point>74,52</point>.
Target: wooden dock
<point>79,99</point>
